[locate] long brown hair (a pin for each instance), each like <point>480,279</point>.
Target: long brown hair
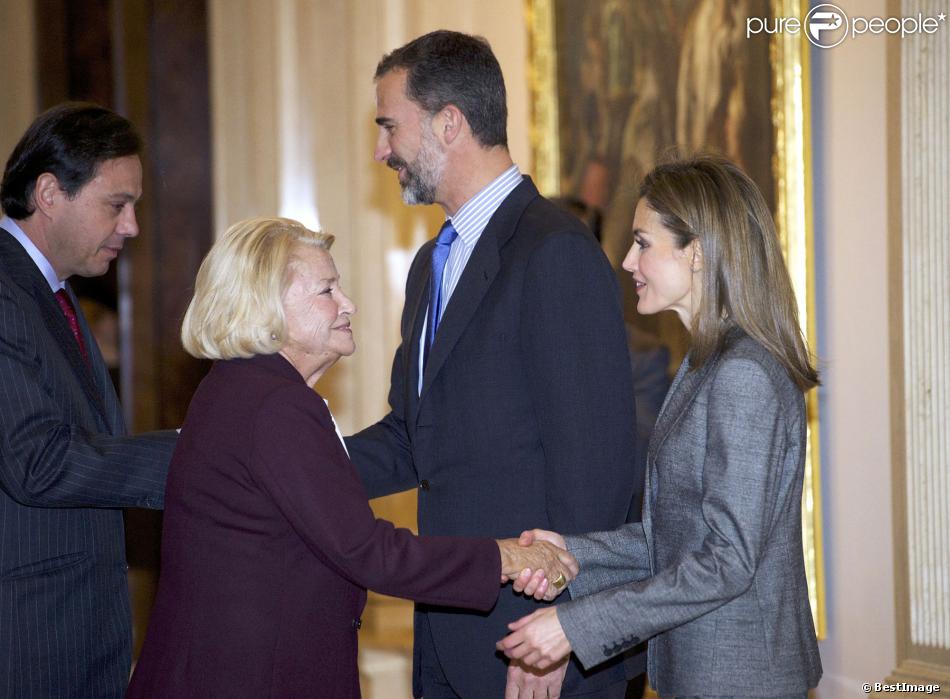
<point>744,280</point>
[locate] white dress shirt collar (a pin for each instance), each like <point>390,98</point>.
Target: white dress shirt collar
<point>39,259</point>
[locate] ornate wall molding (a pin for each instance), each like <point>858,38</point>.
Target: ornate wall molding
<point>920,318</point>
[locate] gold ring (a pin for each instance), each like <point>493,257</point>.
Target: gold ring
<point>560,581</point>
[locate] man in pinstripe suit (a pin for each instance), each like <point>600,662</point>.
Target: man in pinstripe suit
<point>66,464</point>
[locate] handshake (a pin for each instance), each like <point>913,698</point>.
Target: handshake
<point>538,564</point>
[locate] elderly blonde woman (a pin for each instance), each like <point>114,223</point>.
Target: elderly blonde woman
<point>268,542</point>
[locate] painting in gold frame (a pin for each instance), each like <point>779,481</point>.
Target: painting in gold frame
<point>618,84</point>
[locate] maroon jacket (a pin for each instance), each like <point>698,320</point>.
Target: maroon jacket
<point>269,544</point>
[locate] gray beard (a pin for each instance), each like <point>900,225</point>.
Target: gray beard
<point>416,190</point>
<point>422,177</point>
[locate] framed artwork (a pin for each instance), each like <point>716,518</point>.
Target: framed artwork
<point>617,85</point>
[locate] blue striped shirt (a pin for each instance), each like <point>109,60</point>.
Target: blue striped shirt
<point>469,222</point>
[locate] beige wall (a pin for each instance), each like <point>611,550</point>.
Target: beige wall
<point>17,56</point>
<point>850,142</point>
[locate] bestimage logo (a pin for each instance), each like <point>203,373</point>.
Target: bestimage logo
<point>827,25</point>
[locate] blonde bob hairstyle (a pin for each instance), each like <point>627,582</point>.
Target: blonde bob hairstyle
<point>237,309</point>
<point>745,282</point>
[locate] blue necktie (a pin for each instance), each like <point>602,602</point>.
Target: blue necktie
<point>440,255</point>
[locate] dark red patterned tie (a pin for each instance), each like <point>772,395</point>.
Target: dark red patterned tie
<point>70,312</point>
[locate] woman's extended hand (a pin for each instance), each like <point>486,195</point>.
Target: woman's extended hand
<point>537,639</point>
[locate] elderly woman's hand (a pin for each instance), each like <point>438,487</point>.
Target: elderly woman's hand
<point>537,639</point>
<point>535,583</point>
<point>555,566</point>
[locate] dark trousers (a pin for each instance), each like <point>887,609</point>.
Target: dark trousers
<point>429,680</point>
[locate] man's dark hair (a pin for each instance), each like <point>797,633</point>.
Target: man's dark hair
<point>445,67</point>
<point>69,141</point>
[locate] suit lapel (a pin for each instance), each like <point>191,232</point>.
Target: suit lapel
<point>683,391</point>
<point>417,298</point>
<point>24,273</point>
<point>479,273</point>
<point>681,394</point>
<point>110,408</point>
<point>661,429</point>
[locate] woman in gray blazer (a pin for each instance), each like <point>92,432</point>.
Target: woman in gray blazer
<point>714,575</point>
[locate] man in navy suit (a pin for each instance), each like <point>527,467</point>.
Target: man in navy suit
<point>511,399</point>
<point>66,465</point>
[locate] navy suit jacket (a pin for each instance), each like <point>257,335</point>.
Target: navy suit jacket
<point>269,545</point>
<point>526,416</point>
<point>66,467</point>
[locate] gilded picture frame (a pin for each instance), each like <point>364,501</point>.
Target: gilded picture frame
<point>783,170</point>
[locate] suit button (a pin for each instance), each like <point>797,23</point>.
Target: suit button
<point>357,623</point>
<point>423,484</point>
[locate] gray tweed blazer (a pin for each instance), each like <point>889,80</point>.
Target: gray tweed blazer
<point>714,575</point>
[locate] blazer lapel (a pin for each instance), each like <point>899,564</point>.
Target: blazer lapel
<point>480,272</point>
<point>109,404</point>
<point>478,275</point>
<point>683,391</point>
<point>24,273</point>
<point>417,298</point>
<point>57,325</point>
<point>661,429</point>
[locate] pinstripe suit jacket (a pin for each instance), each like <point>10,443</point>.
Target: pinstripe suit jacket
<point>66,467</point>
<point>714,575</point>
